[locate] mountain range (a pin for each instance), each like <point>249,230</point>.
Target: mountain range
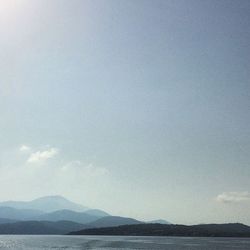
<point>57,215</point>
<point>54,215</point>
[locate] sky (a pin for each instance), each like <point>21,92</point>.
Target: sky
<point>139,108</point>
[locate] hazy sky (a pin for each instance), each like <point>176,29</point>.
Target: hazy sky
<point>140,108</point>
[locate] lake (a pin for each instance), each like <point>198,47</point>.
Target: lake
<point>120,242</point>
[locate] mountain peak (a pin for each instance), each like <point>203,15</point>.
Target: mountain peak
<point>52,197</point>
<point>46,204</point>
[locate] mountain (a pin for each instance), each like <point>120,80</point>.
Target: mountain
<point>160,221</point>
<point>18,214</point>
<point>111,221</point>
<point>46,204</point>
<point>69,215</point>
<point>40,227</point>
<point>206,230</point>
<point>27,210</point>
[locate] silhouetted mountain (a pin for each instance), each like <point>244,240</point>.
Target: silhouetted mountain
<point>206,230</point>
<point>97,212</point>
<point>46,204</point>
<point>160,221</point>
<point>69,215</point>
<point>111,221</point>
<point>18,214</point>
<point>39,227</point>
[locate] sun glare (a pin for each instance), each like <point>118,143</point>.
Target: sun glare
<point>9,9</point>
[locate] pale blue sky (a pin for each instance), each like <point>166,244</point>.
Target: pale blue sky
<point>146,104</point>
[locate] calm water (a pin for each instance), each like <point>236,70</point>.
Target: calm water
<point>110,242</point>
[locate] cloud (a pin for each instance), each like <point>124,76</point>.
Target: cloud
<point>233,197</point>
<point>41,156</point>
<point>24,148</point>
<point>89,170</point>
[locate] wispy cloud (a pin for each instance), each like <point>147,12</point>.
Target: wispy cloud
<point>41,156</point>
<point>24,148</point>
<point>232,197</point>
<point>78,168</point>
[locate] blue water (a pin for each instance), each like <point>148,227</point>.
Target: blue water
<point>120,242</point>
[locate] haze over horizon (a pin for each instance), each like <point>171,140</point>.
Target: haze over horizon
<point>139,108</point>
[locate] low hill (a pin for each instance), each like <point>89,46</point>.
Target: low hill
<point>40,227</point>
<point>64,226</point>
<point>160,221</point>
<point>206,230</point>
<point>111,221</point>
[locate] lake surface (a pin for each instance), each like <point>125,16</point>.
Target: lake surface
<point>120,242</point>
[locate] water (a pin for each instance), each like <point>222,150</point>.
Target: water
<point>120,242</point>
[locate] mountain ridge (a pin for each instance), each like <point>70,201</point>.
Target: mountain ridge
<point>202,230</point>
<point>66,214</point>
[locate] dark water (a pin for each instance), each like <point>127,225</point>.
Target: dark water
<point>117,242</point>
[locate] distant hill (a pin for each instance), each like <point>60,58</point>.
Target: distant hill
<point>18,214</point>
<point>40,227</point>
<point>46,204</point>
<point>97,212</point>
<point>111,221</point>
<point>160,221</point>
<point>69,215</point>
<point>206,230</point>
